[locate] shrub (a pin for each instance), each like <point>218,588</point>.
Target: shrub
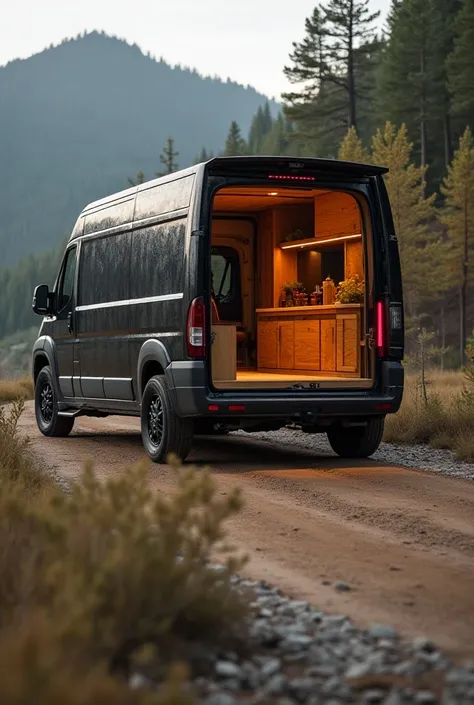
<point>92,579</point>
<point>13,389</point>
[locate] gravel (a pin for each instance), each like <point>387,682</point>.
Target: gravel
<point>298,655</point>
<point>420,457</point>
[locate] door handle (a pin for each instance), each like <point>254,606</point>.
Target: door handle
<point>69,322</point>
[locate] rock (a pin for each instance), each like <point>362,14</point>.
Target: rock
<point>357,670</point>
<point>374,696</point>
<point>221,699</point>
<point>394,698</point>
<point>425,697</point>
<point>381,631</point>
<point>277,685</point>
<point>421,643</point>
<point>270,667</point>
<point>342,587</point>
<point>302,688</point>
<point>138,681</point>
<point>296,642</point>
<point>228,669</point>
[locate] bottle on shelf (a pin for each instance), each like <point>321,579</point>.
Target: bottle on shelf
<point>329,291</point>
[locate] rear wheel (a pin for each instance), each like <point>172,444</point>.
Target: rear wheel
<point>46,407</point>
<point>163,431</point>
<point>358,441</point>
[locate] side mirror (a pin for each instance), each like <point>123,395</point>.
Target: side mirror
<point>41,300</point>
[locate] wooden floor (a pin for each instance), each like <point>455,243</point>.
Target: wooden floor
<point>274,380</point>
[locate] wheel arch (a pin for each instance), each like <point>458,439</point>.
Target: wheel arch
<point>153,359</point>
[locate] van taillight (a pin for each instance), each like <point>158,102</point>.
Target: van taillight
<point>196,329</point>
<point>381,329</point>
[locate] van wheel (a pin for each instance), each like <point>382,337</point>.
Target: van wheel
<point>46,407</point>
<point>357,442</point>
<point>163,431</point>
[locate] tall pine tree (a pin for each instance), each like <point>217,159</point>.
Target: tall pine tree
<point>458,217</point>
<point>234,144</point>
<point>412,212</point>
<point>352,149</point>
<point>461,64</point>
<point>332,65</point>
<point>168,158</point>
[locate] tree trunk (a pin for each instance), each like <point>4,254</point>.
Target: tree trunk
<point>423,138</point>
<point>443,338</point>
<point>448,144</point>
<point>350,71</point>
<point>463,292</point>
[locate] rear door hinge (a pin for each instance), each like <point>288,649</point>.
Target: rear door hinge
<point>197,233</point>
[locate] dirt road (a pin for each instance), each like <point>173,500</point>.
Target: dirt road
<point>402,540</point>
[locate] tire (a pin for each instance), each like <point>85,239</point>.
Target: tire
<point>46,407</point>
<point>163,431</point>
<point>357,442</point>
<point>204,427</point>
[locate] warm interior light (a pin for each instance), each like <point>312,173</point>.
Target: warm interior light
<point>316,242</point>
<point>273,193</point>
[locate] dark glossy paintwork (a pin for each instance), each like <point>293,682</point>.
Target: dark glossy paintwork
<point>143,257</point>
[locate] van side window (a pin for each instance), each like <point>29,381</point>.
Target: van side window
<point>225,265</point>
<point>104,269</point>
<point>66,284</point>
<point>157,264</point>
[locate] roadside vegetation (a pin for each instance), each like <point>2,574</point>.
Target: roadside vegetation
<point>438,406</point>
<point>12,389</point>
<point>91,587</point>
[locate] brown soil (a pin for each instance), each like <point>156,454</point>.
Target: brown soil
<point>403,540</point>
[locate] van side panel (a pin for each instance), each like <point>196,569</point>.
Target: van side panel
<point>103,317</point>
<point>157,271</point>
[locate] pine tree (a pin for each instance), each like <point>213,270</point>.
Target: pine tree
<point>458,217</point>
<point>234,144</point>
<point>407,77</point>
<point>139,179</point>
<point>352,149</point>
<point>168,157</point>
<point>331,63</point>
<point>204,156</point>
<point>412,214</point>
<point>260,127</point>
<point>461,63</point>
<point>277,141</point>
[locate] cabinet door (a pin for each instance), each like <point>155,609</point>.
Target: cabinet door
<point>328,344</point>
<point>307,345</point>
<point>286,345</point>
<point>267,344</point>
<point>348,345</point>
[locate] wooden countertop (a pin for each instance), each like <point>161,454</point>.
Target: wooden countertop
<point>308,309</point>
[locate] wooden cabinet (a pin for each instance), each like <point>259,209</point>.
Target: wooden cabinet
<point>348,342</point>
<point>307,345</point>
<point>322,339</point>
<point>268,345</point>
<point>286,345</point>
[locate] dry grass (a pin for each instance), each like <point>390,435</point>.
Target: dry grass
<point>12,389</point>
<point>90,582</point>
<point>445,421</point>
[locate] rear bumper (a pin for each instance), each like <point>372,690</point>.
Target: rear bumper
<point>193,397</point>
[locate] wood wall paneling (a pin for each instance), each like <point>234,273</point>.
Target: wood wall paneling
<point>268,345</point>
<point>336,213</point>
<point>354,259</point>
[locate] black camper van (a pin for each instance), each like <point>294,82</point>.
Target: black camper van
<point>243,293</point>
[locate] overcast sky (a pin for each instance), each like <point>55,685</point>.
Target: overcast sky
<point>248,41</point>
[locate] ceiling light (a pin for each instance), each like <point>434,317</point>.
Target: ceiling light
<point>314,242</point>
<point>273,193</point>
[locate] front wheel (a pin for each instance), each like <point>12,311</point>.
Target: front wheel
<point>46,407</point>
<point>163,431</point>
<point>358,441</point>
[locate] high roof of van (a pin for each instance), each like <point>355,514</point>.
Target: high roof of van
<point>251,164</point>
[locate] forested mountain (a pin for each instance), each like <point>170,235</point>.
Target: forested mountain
<point>78,119</point>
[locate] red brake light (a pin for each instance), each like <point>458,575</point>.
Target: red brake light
<point>381,329</point>
<point>290,177</point>
<point>196,329</point>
